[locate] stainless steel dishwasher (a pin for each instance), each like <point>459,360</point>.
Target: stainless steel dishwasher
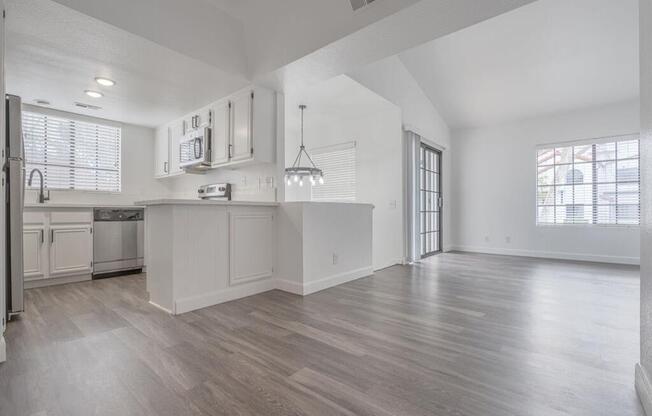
<point>118,241</point>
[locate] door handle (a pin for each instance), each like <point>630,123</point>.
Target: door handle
<point>42,236</point>
<point>51,236</point>
<point>230,151</point>
<point>165,167</point>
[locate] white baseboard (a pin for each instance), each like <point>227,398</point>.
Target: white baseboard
<point>3,349</point>
<point>192,303</point>
<point>643,388</point>
<point>31,284</point>
<point>336,279</point>
<point>288,286</point>
<point>157,306</point>
<point>550,255</point>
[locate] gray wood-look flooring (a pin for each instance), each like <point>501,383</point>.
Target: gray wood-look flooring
<point>460,334</point>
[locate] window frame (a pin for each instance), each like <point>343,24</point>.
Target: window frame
<point>596,141</point>
<point>79,118</point>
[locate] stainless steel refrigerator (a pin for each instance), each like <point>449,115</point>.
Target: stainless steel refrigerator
<point>15,176</point>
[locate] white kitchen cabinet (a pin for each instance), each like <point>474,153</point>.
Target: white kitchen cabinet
<point>221,131</point>
<point>162,152</point>
<point>241,126</point>
<point>251,251</point>
<point>71,250</point>
<point>176,134</point>
<point>34,253</point>
<point>197,119</point>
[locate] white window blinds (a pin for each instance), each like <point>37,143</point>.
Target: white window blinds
<point>589,183</point>
<point>338,164</point>
<point>72,154</point>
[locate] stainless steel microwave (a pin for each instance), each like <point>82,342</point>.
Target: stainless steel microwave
<point>195,149</point>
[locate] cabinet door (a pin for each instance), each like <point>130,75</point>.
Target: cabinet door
<point>162,151</point>
<point>203,117</point>
<point>241,121</point>
<point>176,134</point>
<point>71,250</point>
<point>221,132</point>
<point>34,253</point>
<point>251,246</point>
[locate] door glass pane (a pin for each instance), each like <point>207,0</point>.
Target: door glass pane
<point>430,216</point>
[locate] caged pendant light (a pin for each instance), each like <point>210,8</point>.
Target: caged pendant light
<point>297,173</point>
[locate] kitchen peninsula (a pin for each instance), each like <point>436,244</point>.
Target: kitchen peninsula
<point>201,253</point>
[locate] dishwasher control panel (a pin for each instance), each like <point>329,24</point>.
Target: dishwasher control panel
<point>118,214</point>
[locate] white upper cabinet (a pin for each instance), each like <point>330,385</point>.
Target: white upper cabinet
<point>243,130</point>
<point>221,132</point>
<point>241,127</point>
<point>162,152</point>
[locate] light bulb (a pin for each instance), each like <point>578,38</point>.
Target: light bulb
<point>301,182</point>
<point>312,180</point>
<point>321,180</point>
<point>289,182</point>
<point>296,178</point>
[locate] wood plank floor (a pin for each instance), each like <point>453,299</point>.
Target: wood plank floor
<point>460,334</point>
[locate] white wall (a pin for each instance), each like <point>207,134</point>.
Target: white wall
<point>391,80</point>
<point>322,244</point>
<point>137,168</point>
<point>379,165</point>
<point>249,183</point>
<point>494,183</point>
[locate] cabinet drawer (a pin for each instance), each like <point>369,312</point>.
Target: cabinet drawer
<point>71,217</point>
<point>34,217</point>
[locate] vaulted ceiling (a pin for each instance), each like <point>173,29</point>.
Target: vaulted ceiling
<point>171,56</point>
<point>547,57</point>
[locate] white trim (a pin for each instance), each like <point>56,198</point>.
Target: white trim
<point>336,279</point>
<point>599,140</point>
<point>3,349</point>
<point>157,306</point>
<point>84,277</point>
<point>289,286</point>
<point>192,303</point>
<point>643,387</point>
<point>599,258</point>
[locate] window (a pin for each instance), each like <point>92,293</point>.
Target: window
<point>589,183</point>
<point>72,154</point>
<point>338,164</point>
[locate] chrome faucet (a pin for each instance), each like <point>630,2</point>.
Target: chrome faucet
<point>41,196</point>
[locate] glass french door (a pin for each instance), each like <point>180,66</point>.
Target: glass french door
<point>430,200</point>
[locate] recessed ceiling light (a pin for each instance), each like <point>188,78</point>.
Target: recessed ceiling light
<point>42,102</point>
<point>94,94</point>
<point>105,81</point>
<point>87,106</point>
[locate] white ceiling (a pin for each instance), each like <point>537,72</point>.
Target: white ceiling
<point>54,53</point>
<point>170,56</point>
<point>546,57</point>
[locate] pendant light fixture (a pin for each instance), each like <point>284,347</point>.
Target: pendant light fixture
<point>297,173</point>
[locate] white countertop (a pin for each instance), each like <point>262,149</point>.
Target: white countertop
<point>169,201</point>
<point>50,205</point>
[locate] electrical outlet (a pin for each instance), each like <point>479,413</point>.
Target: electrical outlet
<point>335,258</point>
<point>508,239</point>
<point>486,238</point>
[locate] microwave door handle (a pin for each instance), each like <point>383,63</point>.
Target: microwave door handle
<point>197,148</point>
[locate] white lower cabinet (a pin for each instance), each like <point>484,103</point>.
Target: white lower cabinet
<point>34,252</point>
<point>251,246</point>
<point>71,250</point>
<point>57,246</point>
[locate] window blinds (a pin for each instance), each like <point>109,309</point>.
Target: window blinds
<point>589,183</point>
<point>338,164</point>
<point>72,154</point>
